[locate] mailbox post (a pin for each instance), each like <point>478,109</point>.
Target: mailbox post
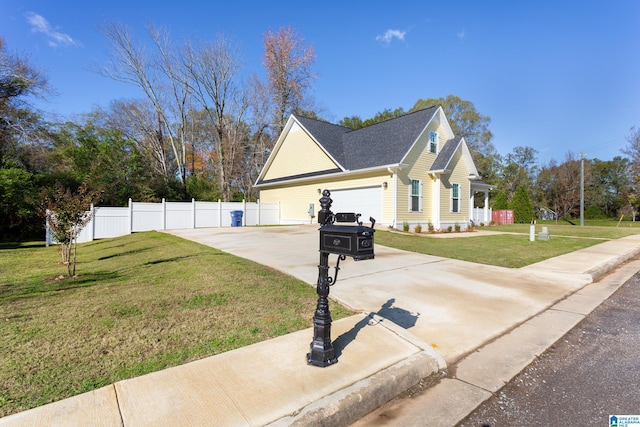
<point>344,240</point>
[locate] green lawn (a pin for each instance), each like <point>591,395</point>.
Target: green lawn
<point>506,250</point>
<point>141,303</point>
<point>594,228</point>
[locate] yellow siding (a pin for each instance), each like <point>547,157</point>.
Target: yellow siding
<point>419,161</point>
<point>297,155</point>
<point>295,198</point>
<point>460,175</point>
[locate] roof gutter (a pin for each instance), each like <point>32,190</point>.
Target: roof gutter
<point>347,173</point>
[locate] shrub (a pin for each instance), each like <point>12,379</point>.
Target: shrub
<point>430,227</point>
<point>594,212</point>
<point>457,227</point>
<point>449,229</point>
<point>418,228</point>
<point>405,226</point>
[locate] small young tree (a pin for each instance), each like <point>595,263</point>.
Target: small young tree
<point>67,213</point>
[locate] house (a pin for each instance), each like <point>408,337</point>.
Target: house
<point>410,169</point>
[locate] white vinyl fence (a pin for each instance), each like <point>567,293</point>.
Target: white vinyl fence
<point>139,216</point>
<point>481,215</point>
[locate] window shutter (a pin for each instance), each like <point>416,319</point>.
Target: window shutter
<point>420,196</point>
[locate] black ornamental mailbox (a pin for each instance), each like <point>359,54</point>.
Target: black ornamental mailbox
<point>354,241</point>
<point>350,240</point>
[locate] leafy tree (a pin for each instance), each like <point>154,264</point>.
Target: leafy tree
<point>522,207</point>
<point>23,144</point>
<point>355,122</point>
<point>500,201</point>
<point>518,168</point>
<point>610,185</point>
<point>466,121</point>
<point>16,206</point>
<point>560,185</point>
<point>104,159</point>
<point>288,62</point>
<point>67,213</point>
<point>633,151</point>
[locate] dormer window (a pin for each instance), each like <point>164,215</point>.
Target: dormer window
<point>433,142</point>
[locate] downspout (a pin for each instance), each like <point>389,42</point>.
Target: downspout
<point>394,204</point>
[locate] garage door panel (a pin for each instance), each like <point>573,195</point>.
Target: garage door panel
<point>366,201</point>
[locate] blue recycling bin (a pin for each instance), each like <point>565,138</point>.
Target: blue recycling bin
<point>236,218</point>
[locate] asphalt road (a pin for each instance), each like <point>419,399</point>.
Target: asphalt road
<point>589,374</point>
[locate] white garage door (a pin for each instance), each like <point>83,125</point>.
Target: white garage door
<point>366,201</point>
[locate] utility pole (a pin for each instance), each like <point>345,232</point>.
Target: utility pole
<point>582,189</point>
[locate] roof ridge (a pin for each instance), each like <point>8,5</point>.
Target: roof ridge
<point>398,117</point>
<point>300,116</point>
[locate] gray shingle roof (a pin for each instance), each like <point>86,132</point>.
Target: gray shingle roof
<point>328,135</point>
<point>380,144</point>
<point>446,153</point>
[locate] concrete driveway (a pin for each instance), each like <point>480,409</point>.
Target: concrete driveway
<point>454,306</point>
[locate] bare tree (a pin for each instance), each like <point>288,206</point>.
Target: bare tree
<point>137,120</point>
<point>262,139</point>
<point>132,65</point>
<point>213,70</point>
<point>19,83</point>
<point>288,63</point>
<point>560,184</point>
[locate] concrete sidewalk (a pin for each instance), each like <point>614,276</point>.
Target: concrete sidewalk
<point>419,313</point>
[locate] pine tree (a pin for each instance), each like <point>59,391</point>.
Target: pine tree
<point>522,207</point>
<point>500,202</point>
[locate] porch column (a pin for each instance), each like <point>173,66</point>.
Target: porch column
<point>436,203</point>
<point>486,206</point>
<point>471,205</point>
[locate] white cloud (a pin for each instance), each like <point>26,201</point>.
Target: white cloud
<point>40,25</point>
<point>389,35</point>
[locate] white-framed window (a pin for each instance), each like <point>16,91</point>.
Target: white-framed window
<point>415,196</point>
<point>455,197</point>
<point>433,142</point>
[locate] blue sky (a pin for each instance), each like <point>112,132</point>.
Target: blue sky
<point>555,76</point>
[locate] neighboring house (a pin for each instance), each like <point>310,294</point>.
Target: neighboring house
<point>410,169</point>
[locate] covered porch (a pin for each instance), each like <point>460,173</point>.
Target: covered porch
<point>480,212</point>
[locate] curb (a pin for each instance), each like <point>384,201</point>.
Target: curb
<point>348,405</point>
<point>483,372</point>
<point>605,268</point>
